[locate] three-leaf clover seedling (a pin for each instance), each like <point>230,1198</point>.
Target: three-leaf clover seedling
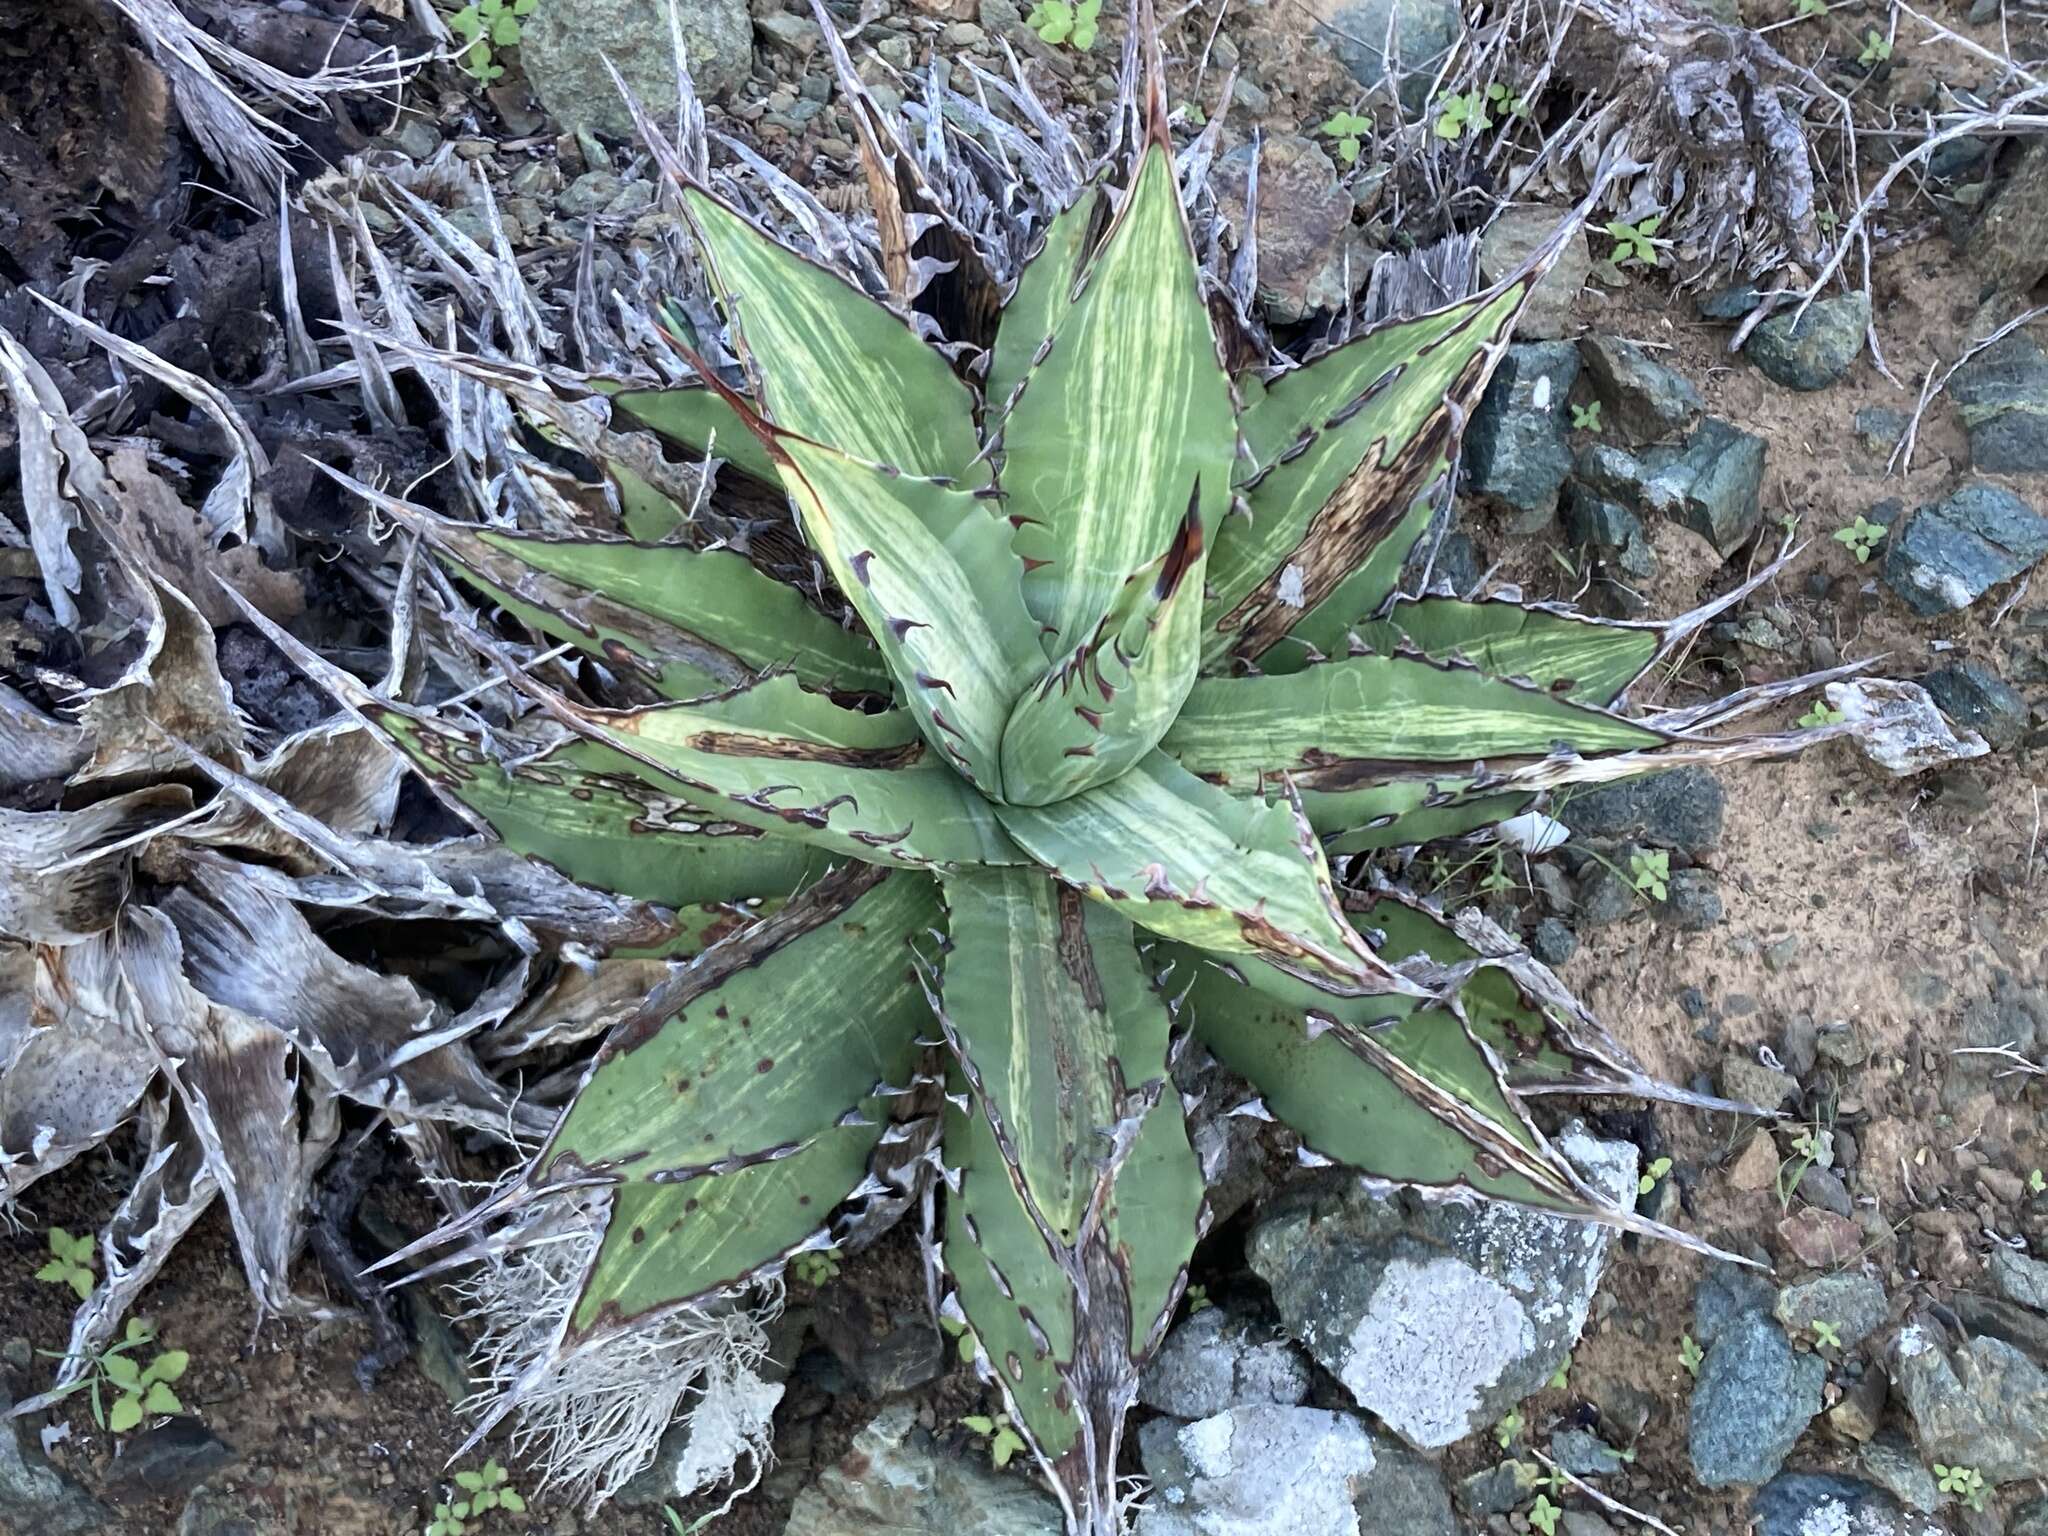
<point>1649,871</point>
<point>1064,21</point>
<point>485,26</point>
<point>1349,130</point>
<point>1861,537</point>
<point>70,1262</point>
<point>1633,242</point>
<point>1003,1439</point>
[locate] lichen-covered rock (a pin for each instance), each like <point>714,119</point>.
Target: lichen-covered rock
<point>2002,395</point>
<point>1438,1318</point>
<point>1956,550</point>
<point>896,1481</point>
<point>1388,40</point>
<point>1219,1359</point>
<point>1852,1303</point>
<point>565,43</point>
<point>1981,1403</point>
<point>1311,255</point>
<point>1815,1504</point>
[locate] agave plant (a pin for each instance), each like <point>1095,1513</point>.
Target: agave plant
<point>1127,668</point>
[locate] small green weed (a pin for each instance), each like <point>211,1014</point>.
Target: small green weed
<point>70,1262</point>
<point>1455,114</point>
<point>963,1337</point>
<point>1063,21</point>
<point>486,26</point>
<point>1561,1378</point>
<point>2037,1182</point>
<point>480,1492</point>
<point>1543,1515</point>
<point>1198,1299</point>
<point>1348,129</point>
<point>1820,714</point>
<point>1826,1334</point>
<point>1657,1170</point>
<point>1001,1435</point>
<point>1966,1483</point>
<point>1807,8</point>
<point>1690,1354</point>
<point>1586,417</point>
<point>816,1267</point>
<point>1507,1429</point>
<point>1877,49</point>
<point>1634,242</point>
<point>1861,537</point>
<point>1649,871</point>
<point>123,1389</point>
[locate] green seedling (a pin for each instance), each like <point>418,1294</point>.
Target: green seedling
<point>1965,1483</point>
<point>1827,1335</point>
<point>1690,1355</point>
<point>123,1388</point>
<point>1861,537</point>
<point>1001,1435</point>
<point>486,26</point>
<point>1634,242</point>
<point>1586,417</point>
<point>816,1267</point>
<point>1348,129</point>
<point>1807,8</point>
<point>1877,49</point>
<point>1649,871</point>
<point>962,1335</point>
<point>1658,1168</point>
<point>1561,1378</point>
<point>70,1262</point>
<point>1820,714</point>
<point>2037,1182</point>
<point>1198,1299</point>
<point>1458,113</point>
<point>1506,1431</point>
<point>1543,1515</point>
<point>490,1487</point>
<point>1062,21</point>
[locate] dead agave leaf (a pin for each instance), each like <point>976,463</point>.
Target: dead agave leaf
<point>182,695</point>
<point>64,874</point>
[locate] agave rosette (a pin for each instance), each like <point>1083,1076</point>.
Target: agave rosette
<point>1130,666</point>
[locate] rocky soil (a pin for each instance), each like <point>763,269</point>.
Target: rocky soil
<point>1861,953</point>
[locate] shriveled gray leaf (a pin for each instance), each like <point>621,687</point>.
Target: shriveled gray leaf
<point>35,747</point>
<point>183,696</point>
<point>52,890</point>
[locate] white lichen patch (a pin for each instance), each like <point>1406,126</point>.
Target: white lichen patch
<point>1266,1470</point>
<point>1424,1380</point>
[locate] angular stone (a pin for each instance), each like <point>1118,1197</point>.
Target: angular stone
<point>1817,350</point>
<point>896,1481</point>
<point>1713,486</point>
<point>1890,1461</point>
<point>1679,809</point>
<point>1499,1488</point>
<point>1956,550</point>
<point>1879,428</point>
<point>1515,449</point>
<point>1754,1398</point>
<point>34,1496</point>
<point>1551,313</point>
<point>1590,518</point>
<point>1748,1081</point>
<point>1584,1454</point>
<point>2009,245</point>
<point>1821,1239</point>
<point>1284,1471</point>
<point>1974,695</point>
<point>1421,31</point>
<point>1981,1404</point>
<point>565,43</point>
<point>1553,942</point>
<point>1853,1301</point>
<point>1438,1318</point>
<point>2002,395</point>
<point>1692,902</point>
<point>1219,1359</point>
<point>1311,255</point>
<point>2019,1279</point>
<point>1811,1503</point>
<point>1646,401</point>
<point>1727,1292</point>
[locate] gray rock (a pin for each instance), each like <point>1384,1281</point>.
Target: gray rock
<point>1748,1081</point>
<point>1590,518</point>
<point>439,1353</point>
<point>1311,255</point>
<point>215,1511</point>
<point>1284,1471</point>
<point>1890,1461</point>
<point>1824,1187</point>
<point>1982,1404</point>
<point>2030,1519</point>
<point>1692,901</point>
<point>168,1460</point>
<point>1712,486</point>
<point>1422,32</point>
<point>2002,394</point>
<point>1974,695</point>
<point>2019,1279</point>
<point>1727,1292</point>
<point>1584,1454</point>
<point>1551,313</point>
<point>1553,942</point>
<point>1956,550</point>
<point>2009,244</point>
<point>1218,1359</point>
<point>1645,400</point>
<point>1499,1488</point>
<point>1438,1318</point>
<point>1581,1522</point>
<point>1515,449</point>
<point>35,1496</point>
<point>1813,1503</point>
<point>1679,809</point>
<point>1989,1318</point>
<point>566,42</point>
<point>895,1481</point>
<point>1854,1301</point>
<point>1818,350</point>
<point>2013,1015</point>
<point>1604,898</point>
<point>1879,428</point>
<point>1754,1398</point>
<point>1730,304</point>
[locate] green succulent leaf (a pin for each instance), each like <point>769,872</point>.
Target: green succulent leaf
<point>1185,860</point>
<point>1044,292</point>
<point>1128,410</point>
<point>1074,1157</point>
<point>733,1123</point>
<point>1363,719</point>
<point>1342,452</point>
<point>1588,660</point>
<point>697,420</point>
<point>1100,709</point>
<point>685,622</point>
<point>930,569</point>
<point>834,365</point>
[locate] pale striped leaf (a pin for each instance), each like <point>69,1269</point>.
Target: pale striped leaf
<point>1128,411</point>
<point>700,421</point>
<point>833,365</point>
<point>1045,289</point>
<point>1575,655</point>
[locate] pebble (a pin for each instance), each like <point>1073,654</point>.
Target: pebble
<point>1553,942</point>
<point>1757,1167</point>
<point>1853,1301</point>
<point>1754,1398</point>
<point>1816,351</point>
<point>1973,695</point>
<point>1748,1081</point>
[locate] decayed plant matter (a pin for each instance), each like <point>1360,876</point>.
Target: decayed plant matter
<point>1124,667</point>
